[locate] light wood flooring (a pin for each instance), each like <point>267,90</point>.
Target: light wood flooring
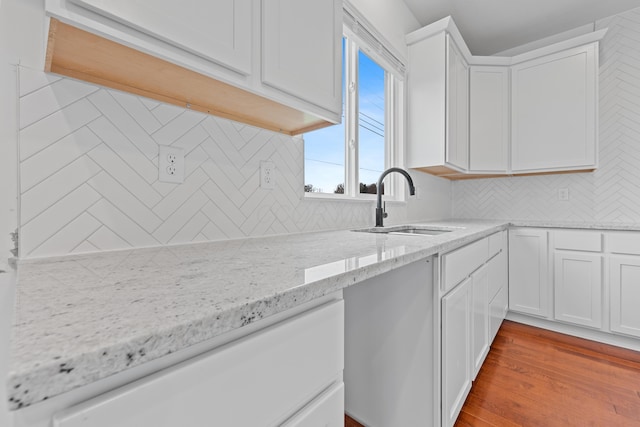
<point>533,377</point>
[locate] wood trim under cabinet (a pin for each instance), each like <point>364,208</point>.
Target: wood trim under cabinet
<point>454,175</point>
<point>76,53</point>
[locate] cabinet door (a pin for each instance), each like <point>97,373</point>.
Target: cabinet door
<point>457,139</point>
<point>578,288</point>
<point>625,294</point>
<point>498,305</point>
<point>528,272</point>
<point>488,119</point>
<point>301,49</point>
<point>456,351</point>
<point>216,30</point>
<point>480,318</point>
<point>554,111</point>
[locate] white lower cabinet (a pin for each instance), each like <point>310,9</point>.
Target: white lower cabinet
<point>456,350</point>
<point>290,369</point>
<point>480,318</point>
<point>624,285</point>
<point>528,271</point>
<point>578,288</point>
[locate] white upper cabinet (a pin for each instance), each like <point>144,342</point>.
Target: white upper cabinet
<point>274,64</point>
<point>438,104</point>
<point>301,49</point>
<point>554,101</point>
<point>457,141</point>
<point>220,30</point>
<point>489,119</point>
<point>472,116</point>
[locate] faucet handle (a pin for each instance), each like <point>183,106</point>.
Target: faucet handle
<point>384,210</point>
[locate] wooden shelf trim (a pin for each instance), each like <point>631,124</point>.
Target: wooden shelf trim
<point>454,175</point>
<point>76,53</point>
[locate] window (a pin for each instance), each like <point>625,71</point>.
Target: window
<point>347,159</point>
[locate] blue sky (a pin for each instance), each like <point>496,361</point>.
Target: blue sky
<point>324,149</point>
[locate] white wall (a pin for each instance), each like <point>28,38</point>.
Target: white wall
<point>612,192</point>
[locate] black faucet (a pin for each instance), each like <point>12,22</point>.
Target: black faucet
<point>380,213</point>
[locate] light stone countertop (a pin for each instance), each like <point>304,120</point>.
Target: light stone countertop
<point>577,225</point>
<point>82,318</point>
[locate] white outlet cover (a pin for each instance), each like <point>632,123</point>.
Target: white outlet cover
<point>563,194</point>
<point>165,153</point>
<point>267,175</point>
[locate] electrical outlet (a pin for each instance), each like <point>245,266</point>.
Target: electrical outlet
<point>563,194</point>
<point>170,164</point>
<point>267,175</point>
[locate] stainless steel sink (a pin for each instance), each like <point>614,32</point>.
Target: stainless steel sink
<point>423,230</point>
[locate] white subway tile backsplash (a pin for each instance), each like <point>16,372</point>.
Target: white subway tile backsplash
<point>89,177</point>
<point>49,99</point>
<point>56,126</point>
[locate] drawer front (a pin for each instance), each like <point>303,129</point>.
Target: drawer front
<point>261,379</point>
<point>460,263</point>
<point>578,240</point>
<point>327,410</point>
<point>497,243</point>
<point>623,242</point>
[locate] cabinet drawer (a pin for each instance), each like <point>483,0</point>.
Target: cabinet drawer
<point>623,243</point>
<point>327,410</point>
<point>460,263</point>
<point>578,240</point>
<point>497,242</point>
<point>261,379</point>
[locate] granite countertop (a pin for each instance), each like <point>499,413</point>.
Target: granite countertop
<point>82,318</point>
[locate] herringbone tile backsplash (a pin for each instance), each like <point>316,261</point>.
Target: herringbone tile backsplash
<point>89,176</point>
<point>612,192</point>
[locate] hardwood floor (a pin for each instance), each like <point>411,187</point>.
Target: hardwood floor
<point>533,377</point>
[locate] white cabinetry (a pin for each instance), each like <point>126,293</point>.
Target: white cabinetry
<point>456,350</point>
<point>528,271</point>
<point>290,368</point>
<point>471,116</point>
<point>274,64</point>
<point>489,116</point>
<point>473,281</point>
<point>624,285</point>
<point>578,288</point>
<point>301,49</point>
<point>554,107</point>
<point>438,99</point>
<point>498,287</point>
<point>457,139</point>
<point>220,31</point>
<point>480,318</point>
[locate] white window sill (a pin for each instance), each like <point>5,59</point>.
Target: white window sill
<point>368,198</point>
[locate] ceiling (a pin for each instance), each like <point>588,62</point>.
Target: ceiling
<point>491,26</point>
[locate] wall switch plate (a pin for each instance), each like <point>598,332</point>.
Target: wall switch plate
<point>563,194</point>
<point>267,175</point>
<point>170,164</point>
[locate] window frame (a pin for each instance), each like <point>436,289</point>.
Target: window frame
<point>394,123</point>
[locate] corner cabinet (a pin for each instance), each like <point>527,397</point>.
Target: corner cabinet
<point>491,116</point>
<point>273,64</point>
<point>554,111</point>
<point>438,100</point>
<point>489,119</point>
